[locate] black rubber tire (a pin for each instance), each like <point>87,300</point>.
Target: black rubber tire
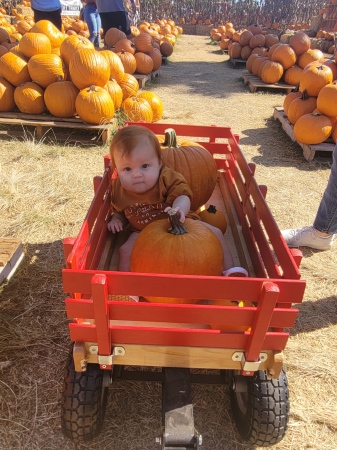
<point>83,402</point>
<point>261,409</point>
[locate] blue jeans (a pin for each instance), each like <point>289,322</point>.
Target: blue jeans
<point>93,21</point>
<point>326,217</point>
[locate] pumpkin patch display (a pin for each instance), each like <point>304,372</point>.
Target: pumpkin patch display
<point>188,249</point>
<point>194,162</point>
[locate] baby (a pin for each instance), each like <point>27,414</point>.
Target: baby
<point>145,190</point>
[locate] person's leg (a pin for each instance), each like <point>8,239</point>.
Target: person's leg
<point>125,253</point>
<point>228,268</point>
<point>321,234</point>
<point>326,217</point>
<point>89,18</point>
<point>97,39</point>
<point>52,16</point>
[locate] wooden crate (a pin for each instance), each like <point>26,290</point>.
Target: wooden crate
<point>143,79</point>
<point>11,255</point>
<point>238,62</point>
<point>45,124</point>
<point>255,83</point>
<point>308,150</point>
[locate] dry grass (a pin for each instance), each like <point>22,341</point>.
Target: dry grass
<point>45,191</point>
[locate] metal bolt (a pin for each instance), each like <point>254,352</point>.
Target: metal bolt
<point>200,440</point>
<point>158,440</point>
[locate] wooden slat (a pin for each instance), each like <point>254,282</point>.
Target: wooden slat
<point>308,150</point>
<point>11,255</point>
<point>170,285</point>
<point>176,337</point>
<point>255,83</point>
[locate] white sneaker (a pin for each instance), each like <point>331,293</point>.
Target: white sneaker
<point>307,237</point>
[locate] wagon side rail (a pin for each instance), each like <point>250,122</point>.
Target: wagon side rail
<point>269,252</point>
<point>85,251</point>
<point>112,324</point>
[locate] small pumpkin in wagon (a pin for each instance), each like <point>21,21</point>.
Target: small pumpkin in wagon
<point>187,249</point>
<point>194,162</point>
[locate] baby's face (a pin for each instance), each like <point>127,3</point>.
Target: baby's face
<point>139,171</point>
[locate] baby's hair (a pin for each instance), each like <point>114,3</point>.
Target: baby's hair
<point>126,139</point>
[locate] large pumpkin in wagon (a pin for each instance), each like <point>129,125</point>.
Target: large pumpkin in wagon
<point>161,249</point>
<point>194,162</point>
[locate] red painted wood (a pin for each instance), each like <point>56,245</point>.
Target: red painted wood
<point>99,294</point>
<point>198,287</point>
<point>176,313</point>
<point>180,337</point>
<point>261,323</point>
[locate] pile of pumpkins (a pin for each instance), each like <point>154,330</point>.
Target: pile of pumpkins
<point>242,43</point>
<point>66,75</point>
<point>328,36</point>
<point>287,61</point>
<point>312,108</point>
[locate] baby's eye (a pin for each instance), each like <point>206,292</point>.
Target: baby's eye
<point>144,166</point>
<point>127,169</point>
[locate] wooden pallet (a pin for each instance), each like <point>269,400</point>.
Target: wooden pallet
<point>308,150</point>
<point>11,255</point>
<point>143,79</point>
<point>255,83</point>
<point>45,123</point>
<point>164,60</point>
<point>237,61</point>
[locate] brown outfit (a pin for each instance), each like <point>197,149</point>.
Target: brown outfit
<point>142,209</point>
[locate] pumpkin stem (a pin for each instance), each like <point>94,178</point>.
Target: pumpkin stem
<point>170,138</point>
<point>176,226</point>
<point>211,209</point>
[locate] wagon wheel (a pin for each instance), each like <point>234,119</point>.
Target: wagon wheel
<point>260,407</point>
<point>83,402</point>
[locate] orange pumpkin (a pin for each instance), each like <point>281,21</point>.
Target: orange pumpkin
<point>46,69</point>
<point>129,85</point>
<point>214,217</point>
<point>196,252</point>
<point>300,106</point>
<point>14,68</point>
<point>29,98</point>
<point>194,162</point>
<point>115,64</point>
<point>60,98</point>
<point>88,67</point>
<point>155,102</point>
<point>115,92</point>
<point>137,109</point>
<point>327,100</point>
<point>314,77</point>
<point>71,44</point>
<point>94,105</point>
<point>312,128</point>
<point>6,96</point>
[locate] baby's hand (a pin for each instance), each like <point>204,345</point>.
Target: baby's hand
<point>180,213</point>
<point>115,225</point>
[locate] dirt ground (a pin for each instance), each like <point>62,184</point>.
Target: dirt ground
<point>45,191</point>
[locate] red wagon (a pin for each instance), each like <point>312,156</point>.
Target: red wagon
<point>109,334</point>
